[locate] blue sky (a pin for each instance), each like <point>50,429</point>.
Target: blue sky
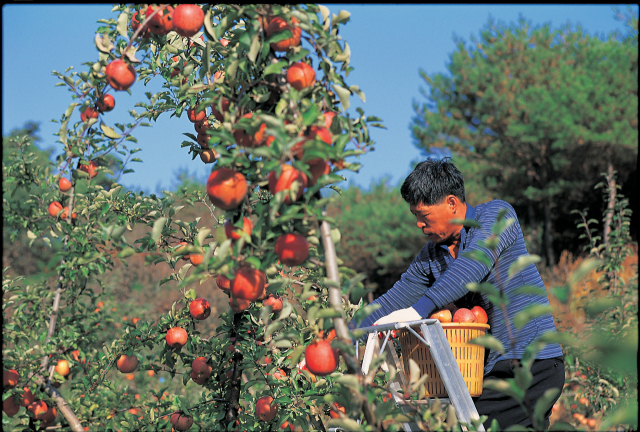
<point>389,45</point>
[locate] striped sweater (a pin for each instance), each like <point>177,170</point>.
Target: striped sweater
<point>435,279</point>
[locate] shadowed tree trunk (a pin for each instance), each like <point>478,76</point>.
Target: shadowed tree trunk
<point>612,198</point>
<point>535,245</point>
<point>548,233</point>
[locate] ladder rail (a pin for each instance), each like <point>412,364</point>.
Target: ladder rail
<point>434,338</point>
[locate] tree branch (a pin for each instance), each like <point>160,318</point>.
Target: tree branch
<point>335,299</point>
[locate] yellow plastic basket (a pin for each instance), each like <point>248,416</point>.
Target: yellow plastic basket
<point>470,358</point>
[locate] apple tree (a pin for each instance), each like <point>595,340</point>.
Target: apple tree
<point>266,88</point>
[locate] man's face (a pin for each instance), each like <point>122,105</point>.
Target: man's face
<point>434,220</point>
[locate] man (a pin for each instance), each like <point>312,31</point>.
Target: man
<point>440,272</point>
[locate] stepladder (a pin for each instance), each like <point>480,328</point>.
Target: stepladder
<point>430,333</point>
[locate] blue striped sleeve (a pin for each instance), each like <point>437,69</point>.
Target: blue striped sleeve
<point>404,293</point>
<point>452,284</point>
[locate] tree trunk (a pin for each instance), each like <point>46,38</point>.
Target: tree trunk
<point>608,219</point>
<point>548,231</point>
<point>535,245</point>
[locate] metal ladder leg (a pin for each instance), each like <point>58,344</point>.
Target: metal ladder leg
<point>450,373</point>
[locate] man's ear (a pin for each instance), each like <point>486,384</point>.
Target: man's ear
<point>452,202</point>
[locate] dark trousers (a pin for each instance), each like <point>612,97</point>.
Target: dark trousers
<point>547,373</point>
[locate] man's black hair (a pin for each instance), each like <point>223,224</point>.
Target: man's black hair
<point>432,181</point>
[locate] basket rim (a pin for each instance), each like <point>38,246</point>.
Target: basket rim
<point>458,326</point>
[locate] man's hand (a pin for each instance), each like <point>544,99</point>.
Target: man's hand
<point>402,315</point>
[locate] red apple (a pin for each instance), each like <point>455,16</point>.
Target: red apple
<point>91,169</point>
<point>161,23</point>
<point>106,103</point>
<point>54,208</point>
<point>176,337</point>
<point>181,422</point>
<point>333,412</point>
<point>88,113</point>
<point>301,76</point>
<point>321,358</point>
<point>280,374</point>
<point>135,23</point>
<point>120,75</point>
<point>187,19</point>
<point>196,116</point>
<point>196,259</point>
<point>239,305</point>
<point>248,283</point>
<point>203,140</point>
<point>292,249</point>
<point>199,381</point>
<point>278,24</point>
<point>27,397</point>
<point>208,156</point>
<point>265,410</point>
<point>201,368</point>
<point>464,315</point>
<point>199,309</point>
<point>226,188</point>
<point>481,315</point>
<point>328,119</point>
<point>442,315</point>
<point>224,107</point>
<point>127,363</point>
<point>285,181</point>
<point>317,168</point>
<point>203,126</point>
<point>64,184</point>
<point>38,409</point>
<point>274,302</point>
<point>223,282</point>
<point>10,406</point>
<point>319,133</point>
<point>235,233</point>
<point>183,244</point>
<point>246,139</point>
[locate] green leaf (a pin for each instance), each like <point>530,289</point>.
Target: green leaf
<point>507,387</point>
<point>543,404</point>
<point>310,115</point>
<point>488,342</point>
<point>274,68</point>
<point>202,235</point>
<point>126,252</point>
<point>521,263</point>
<point>343,95</point>
<point>108,132</point>
<point>88,257</point>
<point>328,313</point>
<point>123,20</point>
<point>531,312</point>
<point>484,288</point>
<point>479,256</point>
<point>561,293</point>
<point>583,270</point>
<point>346,424</point>
<point>625,414</point>
<point>522,377</point>
<point>467,223</point>
<point>343,17</point>
<point>530,290</point>
<point>365,312</point>
<point>158,225</point>
<point>598,306</point>
<point>255,48</point>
